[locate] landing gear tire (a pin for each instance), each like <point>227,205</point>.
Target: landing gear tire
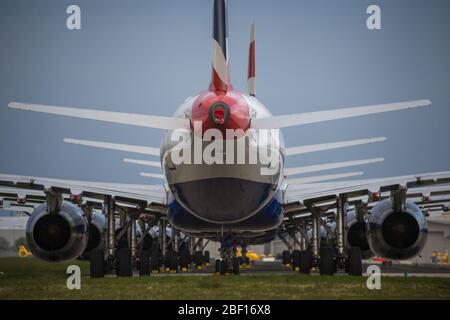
<point>236,266</point>
<point>223,267</point>
<point>144,263</point>
<point>296,260</point>
<point>306,261</point>
<point>124,267</point>
<point>286,257</point>
<point>184,260</point>
<point>217,266</point>
<point>198,259</point>
<point>97,263</point>
<point>206,257</point>
<point>354,261</point>
<point>172,261</point>
<point>326,263</point>
<point>155,260</point>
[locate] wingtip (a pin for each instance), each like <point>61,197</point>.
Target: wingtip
<point>13,105</point>
<point>424,103</point>
<point>355,174</point>
<point>376,139</point>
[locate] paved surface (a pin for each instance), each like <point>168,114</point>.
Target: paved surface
<point>276,268</point>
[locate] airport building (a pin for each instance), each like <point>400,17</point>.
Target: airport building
<point>12,228</point>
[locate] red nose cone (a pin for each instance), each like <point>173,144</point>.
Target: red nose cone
<point>221,111</point>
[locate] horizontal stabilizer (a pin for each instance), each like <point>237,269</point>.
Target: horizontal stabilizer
<point>330,146</point>
<point>143,162</point>
<point>114,146</point>
<point>142,120</point>
<point>324,178</point>
<point>329,166</point>
<point>278,122</point>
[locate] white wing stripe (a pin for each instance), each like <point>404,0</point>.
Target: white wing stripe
<point>143,162</point>
<point>142,120</point>
<point>114,146</point>
<point>324,178</point>
<point>277,122</point>
<point>152,175</point>
<point>329,166</point>
<point>330,146</point>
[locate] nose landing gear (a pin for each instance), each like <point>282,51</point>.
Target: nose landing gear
<point>229,262</point>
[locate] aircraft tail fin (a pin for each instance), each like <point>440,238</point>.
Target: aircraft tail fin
<point>251,63</point>
<point>220,78</point>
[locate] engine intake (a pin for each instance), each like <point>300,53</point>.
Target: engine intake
<point>57,236</point>
<point>357,235</point>
<point>96,239</point>
<point>395,233</point>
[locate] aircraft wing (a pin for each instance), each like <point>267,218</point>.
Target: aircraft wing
<point>327,190</point>
<point>284,121</point>
<point>25,187</point>
<point>142,120</point>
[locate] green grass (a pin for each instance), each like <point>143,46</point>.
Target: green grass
<point>29,278</point>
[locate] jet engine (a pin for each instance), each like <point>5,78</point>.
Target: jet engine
<point>57,236</point>
<point>96,239</point>
<point>396,229</point>
<point>357,235</point>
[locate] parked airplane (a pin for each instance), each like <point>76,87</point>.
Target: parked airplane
<point>223,161</point>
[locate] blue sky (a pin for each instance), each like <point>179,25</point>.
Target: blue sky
<point>148,56</point>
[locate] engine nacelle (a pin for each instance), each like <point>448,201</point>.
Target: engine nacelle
<point>357,235</point>
<point>324,233</point>
<point>57,236</point>
<point>96,239</point>
<point>396,234</point>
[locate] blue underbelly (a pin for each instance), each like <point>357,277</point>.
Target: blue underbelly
<point>223,200</point>
<point>267,218</point>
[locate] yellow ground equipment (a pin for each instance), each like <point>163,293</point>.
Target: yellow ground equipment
<point>253,256</point>
<point>23,252</point>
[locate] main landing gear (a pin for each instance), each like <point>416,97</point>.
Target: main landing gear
<point>120,255</point>
<point>131,247</point>
<point>328,257</point>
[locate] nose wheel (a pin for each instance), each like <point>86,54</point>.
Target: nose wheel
<point>228,266</point>
<point>229,262</point>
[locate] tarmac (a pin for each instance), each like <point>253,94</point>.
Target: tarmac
<point>276,268</point>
